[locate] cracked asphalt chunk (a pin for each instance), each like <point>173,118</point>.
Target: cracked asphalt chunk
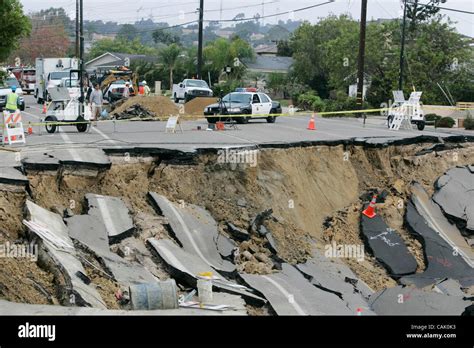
<point>91,232</point>
<point>443,261</point>
<point>289,293</point>
<point>336,277</point>
<point>12,176</point>
<point>455,195</point>
<point>433,215</point>
<point>195,229</point>
<point>185,267</point>
<point>114,215</point>
<point>412,301</point>
<point>67,262</point>
<point>387,246</point>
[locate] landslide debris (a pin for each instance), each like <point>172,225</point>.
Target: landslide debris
<point>158,105</point>
<point>314,193</point>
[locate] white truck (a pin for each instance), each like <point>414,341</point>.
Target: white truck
<point>49,73</point>
<point>189,89</point>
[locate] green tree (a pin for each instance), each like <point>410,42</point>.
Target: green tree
<point>169,57</point>
<point>418,12</point>
<point>165,37</point>
<point>119,45</point>
<point>221,53</point>
<point>14,25</point>
<point>127,32</point>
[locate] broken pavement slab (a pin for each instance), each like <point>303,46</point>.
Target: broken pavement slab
<point>412,301</point>
<point>113,213</point>
<point>435,218</point>
<point>195,229</point>
<point>442,261</point>
<point>65,262</point>
<point>387,246</point>
<point>225,245</point>
<point>238,233</point>
<point>91,232</point>
<point>449,287</point>
<point>87,158</point>
<point>12,176</point>
<point>185,267</point>
<point>455,195</point>
<point>289,293</point>
<point>335,276</point>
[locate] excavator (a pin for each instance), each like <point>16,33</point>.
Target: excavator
<point>117,76</point>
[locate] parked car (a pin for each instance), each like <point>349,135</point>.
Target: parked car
<point>255,105</point>
<point>115,91</point>
<point>189,89</point>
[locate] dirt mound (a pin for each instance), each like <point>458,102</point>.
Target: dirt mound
<point>196,106</point>
<point>160,106</point>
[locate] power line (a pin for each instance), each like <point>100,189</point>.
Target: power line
<point>441,8</point>
<point>271,15</point>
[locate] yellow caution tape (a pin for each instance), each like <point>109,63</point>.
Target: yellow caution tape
<point>196,117</point>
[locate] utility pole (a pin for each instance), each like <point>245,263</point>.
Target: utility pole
<point>360,73</point>
<point>402,47</point>
<point>81,57</point>
<point>201,15</point>
<point>77,28</point>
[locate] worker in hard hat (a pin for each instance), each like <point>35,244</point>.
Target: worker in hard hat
<point>13,101</point>
<point>147,89</point>
<point>126,91</point>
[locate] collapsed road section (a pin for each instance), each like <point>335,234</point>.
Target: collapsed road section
<point>283,237</point>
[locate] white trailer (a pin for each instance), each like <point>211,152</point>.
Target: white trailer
<point>49,73</point>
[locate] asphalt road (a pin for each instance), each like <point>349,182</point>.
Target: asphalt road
<point>110,134</point>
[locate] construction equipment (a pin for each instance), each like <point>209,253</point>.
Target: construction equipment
<point>406,112</point>
<point>65,109</point>
<point>121,75</point>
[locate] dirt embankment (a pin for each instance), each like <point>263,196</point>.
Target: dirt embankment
<point>303,186</point>
<point>196,106</point>
<point>159,105</point>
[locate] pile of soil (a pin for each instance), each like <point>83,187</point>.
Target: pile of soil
<point>196,106</point>
<point>160,106</point>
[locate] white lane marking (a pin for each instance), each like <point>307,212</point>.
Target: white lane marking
<point>189,235</point>
<point>103,135</point>
<point>435,226</point>
<point>105,213</point>
<point>287,295</point>
<point>173,260</point>
<point>75,156</point>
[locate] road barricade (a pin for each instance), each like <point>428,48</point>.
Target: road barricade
<point>12,128</point>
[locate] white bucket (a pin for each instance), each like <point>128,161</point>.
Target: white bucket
<point>204,290</point>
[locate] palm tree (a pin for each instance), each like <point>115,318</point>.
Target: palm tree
<point>169,57</point>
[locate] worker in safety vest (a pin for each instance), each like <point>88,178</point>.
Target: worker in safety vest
<point>12,101</point>
<point>146,88</point>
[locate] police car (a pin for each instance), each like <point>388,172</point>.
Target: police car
<point>254,104</point>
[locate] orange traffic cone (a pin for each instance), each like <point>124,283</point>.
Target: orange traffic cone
<point>30,129</point>
<point>311,124</point>
<point>370,211</point>
<point>44,108</point>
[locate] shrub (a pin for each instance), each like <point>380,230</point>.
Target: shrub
<point>469,122</point>
<point>445,122</point>
<point>225,88</point>
<point>310,101</point>
<point>432,118</point>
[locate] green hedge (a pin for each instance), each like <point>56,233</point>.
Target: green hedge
<point>469,122</point>
<point>446,122</point>
<point>432,118</point>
